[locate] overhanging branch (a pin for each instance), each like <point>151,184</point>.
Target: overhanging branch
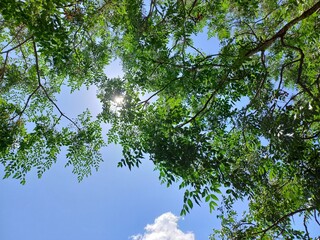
<point>283,31</point>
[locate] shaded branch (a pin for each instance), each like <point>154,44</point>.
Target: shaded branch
<point>153,95</point>
<point>189,66</point>
<point>103,7</point>
<point>197,50</point>
<point>301,60</point>
<point>311,137</point>
<point>252,31</point>
<point>291,98</point>
<point>306,227</point>
<point>282,219</point>
<point>262,57</point>
<point>151,9</point>
<point>200,111</point>
<point>7,54</point>
<point>282,70</point>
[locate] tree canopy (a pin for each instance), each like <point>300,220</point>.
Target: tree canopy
<point>241,121</point>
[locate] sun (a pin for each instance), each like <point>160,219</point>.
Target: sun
<point>118,100</point>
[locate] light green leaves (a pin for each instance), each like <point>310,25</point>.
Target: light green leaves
<point>42,50</point>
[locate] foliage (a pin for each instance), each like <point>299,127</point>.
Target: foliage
<point>38,39</point>
<point>243,119</point>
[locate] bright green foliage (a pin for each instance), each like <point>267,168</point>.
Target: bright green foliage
<point>38,40</point>
<point>242,119</point>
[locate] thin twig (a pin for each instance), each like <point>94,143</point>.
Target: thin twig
<point>153,95</point>
<point>282,70</point>
<point>197,50</point>
<point>204,107</point>
<point>3,69</point>
<point>282,219</point>
<point>311,137</point>
<point>13,38</point>
<point>306,227</point>
<point>160,90</point>
<point>45,91</point>
<point>291,98</point>
<point>20,44</point>
<point>26,104</point>
<point>315,217</point>
<point>252,31</point>
<point>301,60</point>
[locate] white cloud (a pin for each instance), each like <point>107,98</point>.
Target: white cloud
<point>165,227</point>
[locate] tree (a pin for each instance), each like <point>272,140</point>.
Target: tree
<point>243,120</point>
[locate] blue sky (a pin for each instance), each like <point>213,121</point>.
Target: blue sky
<point>114,203</point>
<point>111,204</point>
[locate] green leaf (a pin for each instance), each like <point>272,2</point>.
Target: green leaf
<point>190,203</point>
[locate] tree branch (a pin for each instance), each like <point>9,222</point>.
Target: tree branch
<point>306,227</point>
<point>301,60</point>
<point>45,91</point>
<point>20,44</point>
<point>205,105</point>
<point>283,30</point>
<point>200,111</point>
<point>26,104</point>
<point>3,69</point>
<point>315,217</point>
<point>157,92</point>
<point>282,70</point>
<point>282,219</point>
<point>13,38</point>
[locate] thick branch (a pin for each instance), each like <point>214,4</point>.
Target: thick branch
<point>283,31</point>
